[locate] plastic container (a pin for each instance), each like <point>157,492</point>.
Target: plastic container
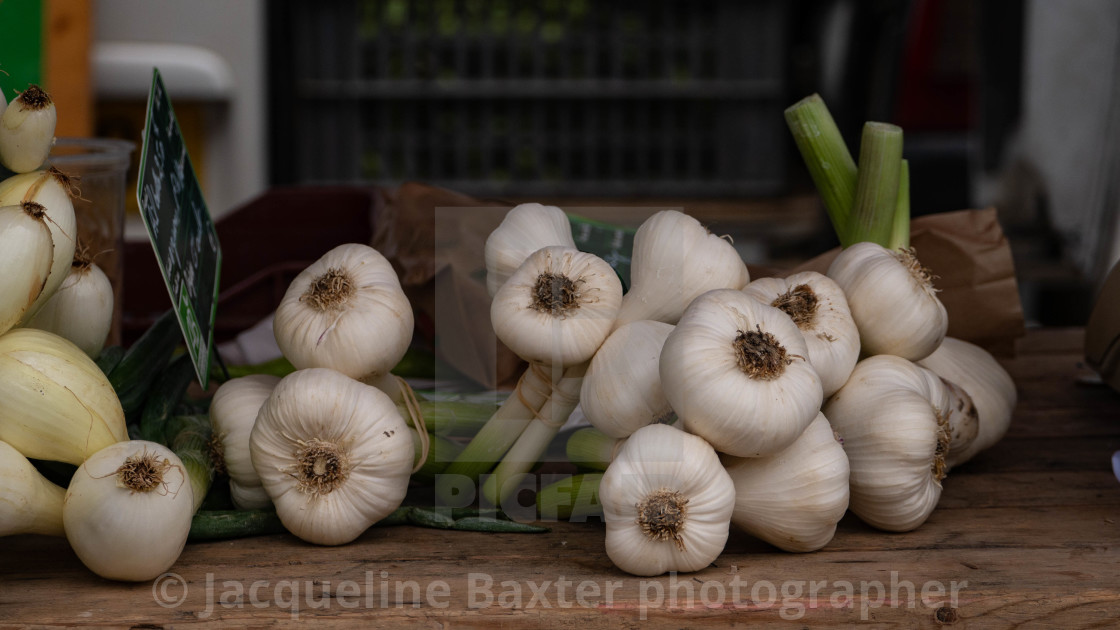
<point>101,167</point>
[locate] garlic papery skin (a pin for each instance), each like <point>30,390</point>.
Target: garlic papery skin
<point>81,310</point>
<point>818,306</point>
<point>793,499</point>
<point>674,260</point>
<point>892,300</point>
<point>346,312</point>
<point>128,511</point>
<point>29,504</point>
<point>333,454</point>
<point>667,503</point>
<point>735,371</point>
<point>57,404</point>
<point>27,130</point>
<point>233,412</point>
<point>558,307</point>
<point>26,254</point>
<point>53,190</point>
<point>525,229</point>
<point>892,416</point>
<point>992,389</point>
<point>621,390</point>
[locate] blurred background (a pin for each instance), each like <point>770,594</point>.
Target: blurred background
<point>1006,103</point>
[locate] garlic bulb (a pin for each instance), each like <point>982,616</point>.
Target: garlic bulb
<point>735,371</point>
<point>81,310</point>
<point>992,390</point>
<point>57,404</point>
<point>818,306</point>
<point>27,130</point>
<point>29,504</point>
<point>233,411</point>
<point>26,254</point>
<point>332,453</point>
<point>676,259</point>
<point>794,498</point>
<point>621,391</point>
<point>525,229</point>
<point>892,300</point>
<point>667,503</point>
<point>128,511</point>
<point>53,190</point>
<point>558,307</point>
<point>892,416</point>
<point>346,312</point>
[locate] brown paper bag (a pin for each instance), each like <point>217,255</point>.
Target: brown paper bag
<point>974,273</point>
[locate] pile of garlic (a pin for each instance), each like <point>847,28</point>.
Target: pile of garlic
<point>326,445</point>
<point>126,511</point>
<point>794,399</point>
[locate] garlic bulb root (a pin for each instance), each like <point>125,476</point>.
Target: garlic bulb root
<point>817,305</point>
<point>736,373</point>
<point>667,503</point>
<point>333,454</point>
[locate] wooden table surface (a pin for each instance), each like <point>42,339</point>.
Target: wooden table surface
<point>1026,535</point>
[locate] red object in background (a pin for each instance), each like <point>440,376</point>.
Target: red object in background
<point>265,244</point>
<point>938,75</point>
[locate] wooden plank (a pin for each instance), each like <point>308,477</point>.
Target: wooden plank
<point>1009,556</point>
<point>66,67</point>
<point>1029,533</point>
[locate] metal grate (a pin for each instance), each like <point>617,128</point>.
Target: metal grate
<point>537,97</point>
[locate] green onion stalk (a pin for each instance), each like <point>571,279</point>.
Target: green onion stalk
<point>591,448</point>
<point>865,203</point>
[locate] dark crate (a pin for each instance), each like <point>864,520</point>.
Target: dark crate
<point>533,97</point>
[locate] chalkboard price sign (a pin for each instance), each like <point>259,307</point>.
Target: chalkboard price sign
<point>179,226</point>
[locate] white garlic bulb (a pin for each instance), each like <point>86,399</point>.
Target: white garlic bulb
<point>26,253</point>
<point>558,307</point>
<point>51,189</point>
<point>736,372</point>
<point>667,503</point>
<point>333,454</point>
<point>817,305</point>
<point>674,260</point>
<point>29,504</point>
<point>27,130</point>
<point>525,229</point>
<point>892,416</point>
<point>992,389</point>
<point>793,499</point>
<point>233,412</point>
<point>128,510</point>
<point>81,310</point>
<point>892,300</point>
<point>346,312</point>
<point>621,390</point>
